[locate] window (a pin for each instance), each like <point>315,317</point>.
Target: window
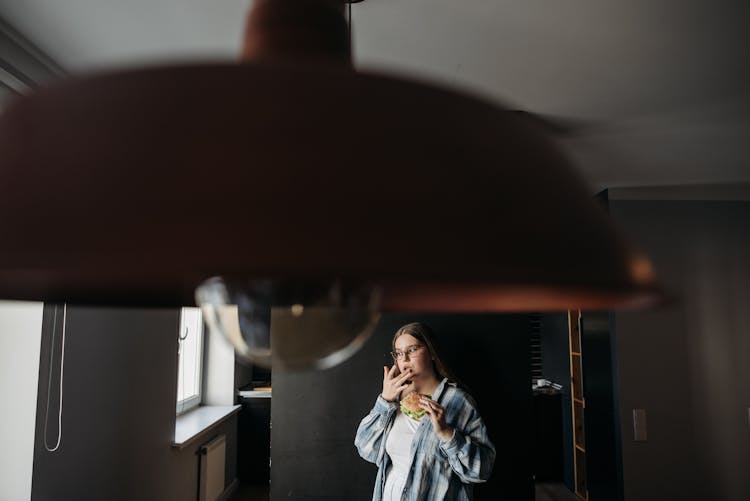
<point>190,364</point>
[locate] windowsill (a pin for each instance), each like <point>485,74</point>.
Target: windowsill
<point>195,422</point>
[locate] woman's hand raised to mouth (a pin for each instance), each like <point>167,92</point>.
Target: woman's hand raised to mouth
<point>394,384</point>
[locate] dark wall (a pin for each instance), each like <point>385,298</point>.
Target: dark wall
<point>556,367</point>
<point>120,376</point>
<point>601,416</point>
<point>688,362</point>
<point>315,414</point>
<point>243,373</point>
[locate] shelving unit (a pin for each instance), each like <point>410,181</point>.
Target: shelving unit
<point>578,404</point>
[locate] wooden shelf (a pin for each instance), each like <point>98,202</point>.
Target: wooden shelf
<point>578,404</point>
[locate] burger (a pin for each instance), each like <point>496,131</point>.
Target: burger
<point>410,405</point>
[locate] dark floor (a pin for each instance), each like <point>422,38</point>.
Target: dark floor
<point>554,492</point>
<point>544,492</point>
<point>249,492</point>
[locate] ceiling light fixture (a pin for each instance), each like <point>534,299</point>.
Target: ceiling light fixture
<point>329,193</point>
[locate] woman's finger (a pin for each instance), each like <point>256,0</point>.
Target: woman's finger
<point>435,410</point>
<point>393,370</point>
<point>429,410</point>
<point>430,402</point>
<point>435,405</point>
<point>403,377</point>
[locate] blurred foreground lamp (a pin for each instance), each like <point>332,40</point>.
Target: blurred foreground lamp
<point>289,190</point>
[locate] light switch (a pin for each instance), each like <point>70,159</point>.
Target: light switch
<point>640,429</point>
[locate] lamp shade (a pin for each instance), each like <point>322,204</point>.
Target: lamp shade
<point>134,187</point>
<point>296,198</point>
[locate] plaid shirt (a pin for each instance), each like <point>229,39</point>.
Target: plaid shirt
<point>439,470</point>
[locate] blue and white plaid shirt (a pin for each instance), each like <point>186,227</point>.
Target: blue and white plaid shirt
<point>439,470</point>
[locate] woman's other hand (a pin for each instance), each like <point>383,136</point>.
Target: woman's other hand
<point>393,385</point>
<point>437,416</point>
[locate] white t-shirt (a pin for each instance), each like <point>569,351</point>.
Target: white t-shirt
<point>398,447</point>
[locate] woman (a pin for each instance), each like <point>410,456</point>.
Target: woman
<point>438,456</point>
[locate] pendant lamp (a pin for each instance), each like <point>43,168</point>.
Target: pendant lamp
<point>290,190</point>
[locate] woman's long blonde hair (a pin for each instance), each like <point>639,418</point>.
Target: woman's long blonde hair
<point>425,335</point>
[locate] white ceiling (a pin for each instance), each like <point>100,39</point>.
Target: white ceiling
<point>661,89</point>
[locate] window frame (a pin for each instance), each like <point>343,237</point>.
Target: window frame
<point>193,401</point>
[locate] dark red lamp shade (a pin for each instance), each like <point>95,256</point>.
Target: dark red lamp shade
<point>134,187</point>
<point>296,178</point>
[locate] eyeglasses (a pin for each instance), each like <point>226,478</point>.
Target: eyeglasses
<point>410,351</point>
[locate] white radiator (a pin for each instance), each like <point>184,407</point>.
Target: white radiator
<point>212,458</point>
